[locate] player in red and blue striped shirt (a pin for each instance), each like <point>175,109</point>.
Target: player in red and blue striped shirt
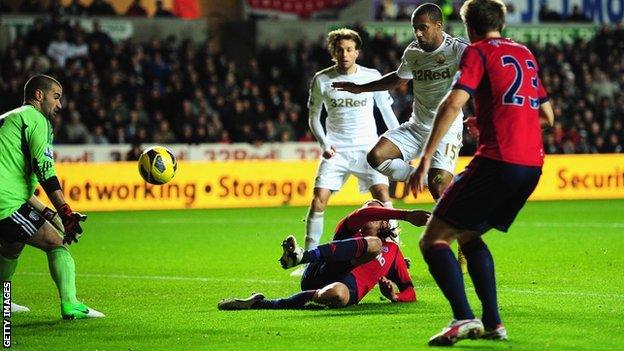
<point>341,272</point>
<point>511,109</point>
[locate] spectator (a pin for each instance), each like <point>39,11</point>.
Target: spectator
<point>126,91</point>
<point>512,16</point>
<point>602,86</point>
<point>164,135</point>
<point>547,15</point>
<point>59,49</point>
<point>101,8</point>
<point>38,35</point>
<point>77,132</point>
<point>36,61</point>
<point>134,153</point>
<point>99,36</point>
<point>136,10</point>
<point>79,48</point>
<point>31,6</point>
<point>56,8</point>
<point>161,11</point>
<point>386,11</point>
<point>577,15</point>
<point>98,136</point>
<point>75,8</point>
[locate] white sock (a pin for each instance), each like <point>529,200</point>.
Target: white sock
<point>395,169</point>
<point>314,229</point>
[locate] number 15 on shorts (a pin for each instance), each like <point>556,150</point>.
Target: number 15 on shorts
<point>451,151</point>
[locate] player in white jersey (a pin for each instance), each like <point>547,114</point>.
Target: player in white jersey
<point>430,62</point>
<point>351,130</point>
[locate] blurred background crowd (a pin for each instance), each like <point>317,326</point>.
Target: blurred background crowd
<point>168,90</point>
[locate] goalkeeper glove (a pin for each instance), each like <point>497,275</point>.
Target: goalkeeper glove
<point>71,222</point>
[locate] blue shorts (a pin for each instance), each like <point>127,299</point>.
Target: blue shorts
<point>487,194</point>
<point>320,274</point>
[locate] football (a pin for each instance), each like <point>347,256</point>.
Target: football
<point>157,165</point>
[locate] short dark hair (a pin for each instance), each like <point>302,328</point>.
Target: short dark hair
<point>483,15</point>
<point>433,11</point>
<point>38,82</point>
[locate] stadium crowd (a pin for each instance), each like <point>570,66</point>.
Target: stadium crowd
<point>173,91</point>
<point>95,8</point>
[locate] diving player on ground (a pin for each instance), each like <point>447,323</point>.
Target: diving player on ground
<point>342,272</point>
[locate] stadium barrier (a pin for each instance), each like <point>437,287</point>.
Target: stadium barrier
<point>266,183</point>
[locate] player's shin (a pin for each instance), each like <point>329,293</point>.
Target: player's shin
<point>481,269</point>
<point>395,169</point>
<point>63,272</point>
<point>445,270</point>
<point>314,229</point>
<point>297,300</point>
<point>7,267</point>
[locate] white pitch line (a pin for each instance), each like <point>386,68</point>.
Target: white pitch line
<point>164,277</point>
<point>201,221</point>
<point>571,224</point>
<point>562,293</point>
<point>616,225</point>
<point>266,281</point>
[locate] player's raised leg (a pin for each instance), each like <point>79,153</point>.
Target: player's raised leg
<point>357,250</point>
<point>386,158</point>
<point>63,272</point>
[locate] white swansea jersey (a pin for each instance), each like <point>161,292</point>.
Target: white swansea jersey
<point>432,74</point>
<point>350,122</point>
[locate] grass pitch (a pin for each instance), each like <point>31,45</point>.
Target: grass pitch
<point>159,275</point>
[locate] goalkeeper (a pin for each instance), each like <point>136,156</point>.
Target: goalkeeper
<point>26,160</point>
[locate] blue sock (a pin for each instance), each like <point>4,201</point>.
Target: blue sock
<point>339,250</point>
<point>447,273</point>
<point>481,269</point>
<point>295,301</point>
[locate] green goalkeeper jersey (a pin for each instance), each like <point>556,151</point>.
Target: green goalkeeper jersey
<point>25,156</point>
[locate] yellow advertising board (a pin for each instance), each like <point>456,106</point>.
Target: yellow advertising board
<point>118,186</point>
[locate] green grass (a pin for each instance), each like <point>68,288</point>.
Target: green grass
<point>159,275</point>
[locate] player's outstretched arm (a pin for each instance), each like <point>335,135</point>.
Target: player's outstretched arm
<point>387,82</point>
<point>546,115</point>
<point>418,217</point>
<point>359,218</point>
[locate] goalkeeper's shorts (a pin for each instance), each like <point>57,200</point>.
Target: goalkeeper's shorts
<point>21,225</point>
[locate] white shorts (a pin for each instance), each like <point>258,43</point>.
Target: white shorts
<point>334,172</point>
<point>410,138</point>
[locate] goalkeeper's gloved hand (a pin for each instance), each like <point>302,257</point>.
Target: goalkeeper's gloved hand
<point>51,216</point>
<point>71,223</point>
